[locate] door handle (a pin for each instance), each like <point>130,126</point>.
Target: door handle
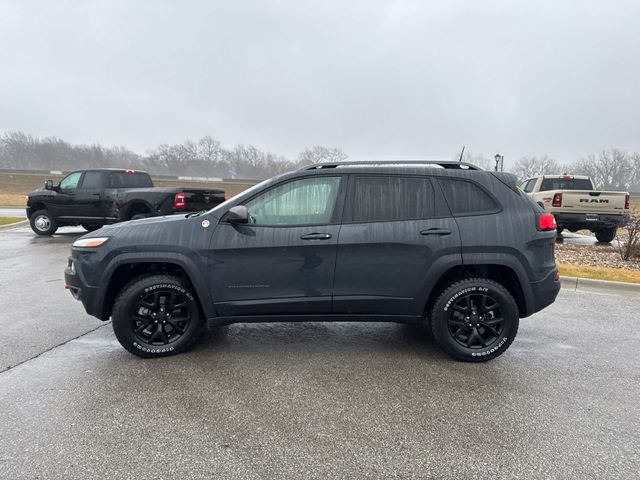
<point>436,231</point>
<point>316,236</point>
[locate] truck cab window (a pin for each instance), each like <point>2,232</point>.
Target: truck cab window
<point>92,180</point>
<point>70,182</point>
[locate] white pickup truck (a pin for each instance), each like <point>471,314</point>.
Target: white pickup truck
<point>577,205</point>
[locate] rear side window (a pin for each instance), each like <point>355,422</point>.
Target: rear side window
<point>566,184</point>
<point>466,198</point>
<point>380,199</point>
<point>92,180</point>
<point>130,180</point>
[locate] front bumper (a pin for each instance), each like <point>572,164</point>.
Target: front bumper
<point>75,282</point>
<point>588,221</point>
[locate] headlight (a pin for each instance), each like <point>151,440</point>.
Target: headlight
<point>89,242</point>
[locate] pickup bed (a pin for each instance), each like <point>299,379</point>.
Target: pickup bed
<point>96,197</point>
<point>576,205</point>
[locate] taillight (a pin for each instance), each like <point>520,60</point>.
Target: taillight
<point>557,200</point>
<point>546,221</point>
<point>556,277</point>
<point>627,201</point>
<point>179,201</point>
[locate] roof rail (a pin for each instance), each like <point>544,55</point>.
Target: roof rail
<point>441,163</point>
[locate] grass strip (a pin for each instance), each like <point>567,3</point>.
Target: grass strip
<point>599,273</point>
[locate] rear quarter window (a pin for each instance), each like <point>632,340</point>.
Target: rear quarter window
<point>466,198</point>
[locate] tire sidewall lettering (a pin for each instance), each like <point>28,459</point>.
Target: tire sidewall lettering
<point>462,292</point>
<point>171,286</point>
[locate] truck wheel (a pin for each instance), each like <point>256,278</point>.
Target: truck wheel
<point>475,320</point>
<point>156,316</point>
<point>606,235</point>
<point>43,223</point>
<point>138,216</point>
<point>90,227</point>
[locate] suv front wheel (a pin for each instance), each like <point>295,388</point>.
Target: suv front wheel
<point>156,316</point>
<point>475,320</point>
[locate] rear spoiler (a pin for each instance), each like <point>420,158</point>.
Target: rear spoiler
<point>509,179</point>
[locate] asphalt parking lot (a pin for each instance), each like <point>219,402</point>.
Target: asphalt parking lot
<point>308,400</point>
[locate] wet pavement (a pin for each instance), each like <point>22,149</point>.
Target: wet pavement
<point>309,400</point>
<point>583,238</point>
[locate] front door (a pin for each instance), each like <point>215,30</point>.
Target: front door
<point>283,260</point>
<point>63,203</point>
<point>89,195</point>
<point>395,229</point>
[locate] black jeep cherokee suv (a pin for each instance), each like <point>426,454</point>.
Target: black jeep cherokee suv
<point>444,244</point>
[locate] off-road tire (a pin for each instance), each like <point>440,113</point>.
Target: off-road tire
<point>42,223</point>
<point>606,235</point>
<point>444,320</point>
<point>127,304</point>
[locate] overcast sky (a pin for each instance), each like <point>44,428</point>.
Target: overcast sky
<point>394,79</point>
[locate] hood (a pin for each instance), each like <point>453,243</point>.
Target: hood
<point>166,232</point>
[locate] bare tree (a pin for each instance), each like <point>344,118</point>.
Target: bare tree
<point>477,160</point>
<point>528,167</point>
<point>319,154</point>
<point>610,170</point>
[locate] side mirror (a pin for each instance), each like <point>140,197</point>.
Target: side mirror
<point>238,214</point>
<point>48,184</point>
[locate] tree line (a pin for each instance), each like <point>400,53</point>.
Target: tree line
<point>206,157</point>
<point>613,169</point>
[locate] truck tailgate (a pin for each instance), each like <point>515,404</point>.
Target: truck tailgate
<point>585,201</point>
<point>201,199</point>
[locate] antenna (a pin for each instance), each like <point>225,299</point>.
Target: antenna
<point>462,152</point>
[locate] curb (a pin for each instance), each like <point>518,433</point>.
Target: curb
<point>576,284</point>
<point>21,223</point>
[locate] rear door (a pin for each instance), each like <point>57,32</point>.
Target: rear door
<point>395,231</point>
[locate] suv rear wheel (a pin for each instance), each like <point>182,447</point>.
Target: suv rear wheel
<point>156,316</point>
<point>43,223</point>
<point>475,320</point>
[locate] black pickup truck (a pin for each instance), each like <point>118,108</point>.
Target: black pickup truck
<point>100,196</point>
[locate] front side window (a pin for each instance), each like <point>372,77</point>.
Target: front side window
<point>389,198</point>
<point>70,182</point>
<point>309,201</point>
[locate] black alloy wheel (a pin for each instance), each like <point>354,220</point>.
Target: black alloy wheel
<point>475,321</point>
<point>161,317</point>
<point>157,315</point>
